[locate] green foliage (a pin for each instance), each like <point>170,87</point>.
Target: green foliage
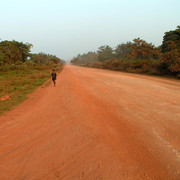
<point>133,66</point>
<point>140,49</point>
<point>85,58</point>
<point>171,58</point>
<point>43,58</point>
<point>13,51</point>
<point>9,53</point>
<point>169,37</point>
<point>24,49</point>
<point>170,61</point>
<point>105,53</point>
<point>122,50</point>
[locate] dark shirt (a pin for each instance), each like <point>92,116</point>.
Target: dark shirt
<point>53,76</point>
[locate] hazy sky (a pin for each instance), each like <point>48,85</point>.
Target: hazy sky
<point>66,28</point>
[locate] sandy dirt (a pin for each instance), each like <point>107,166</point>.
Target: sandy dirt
<point>95,124</point>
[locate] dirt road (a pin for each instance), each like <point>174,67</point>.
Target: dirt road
<point>95,124</point>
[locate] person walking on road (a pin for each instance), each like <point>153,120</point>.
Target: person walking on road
<point>54,77</point>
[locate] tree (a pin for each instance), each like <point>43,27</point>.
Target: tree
<point>43,58</point>
<point>105,53</point>
<point>171,36</point>
<point>9,52</point>
<point>171,51</point>
<point>85,58</point>
<point>24,49</point>
<point>140,49</point>
<point>171,58</point>
<point>13,51</point>
<point>122,50</point>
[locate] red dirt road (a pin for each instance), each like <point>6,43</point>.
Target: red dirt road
<point>96,124</point>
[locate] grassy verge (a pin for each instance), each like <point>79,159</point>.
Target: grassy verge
<point>16,83</point>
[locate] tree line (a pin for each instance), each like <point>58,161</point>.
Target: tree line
<point>138,56</point>
<point>14,53</point>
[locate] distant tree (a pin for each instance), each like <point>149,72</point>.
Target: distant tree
<point>43,58</point>
<point>140,49</point>
<point>122,50</point>
<point>85,58</point>
<point>91,56</point>
<point>105,53</point>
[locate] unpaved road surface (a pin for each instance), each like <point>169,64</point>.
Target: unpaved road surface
<point>96,124</point>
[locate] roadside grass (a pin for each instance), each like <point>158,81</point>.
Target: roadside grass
<point>16,84</point>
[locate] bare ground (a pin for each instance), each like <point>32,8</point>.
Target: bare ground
<point>95,124</point>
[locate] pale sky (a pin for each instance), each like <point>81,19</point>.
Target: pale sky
<point>66,28</point>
